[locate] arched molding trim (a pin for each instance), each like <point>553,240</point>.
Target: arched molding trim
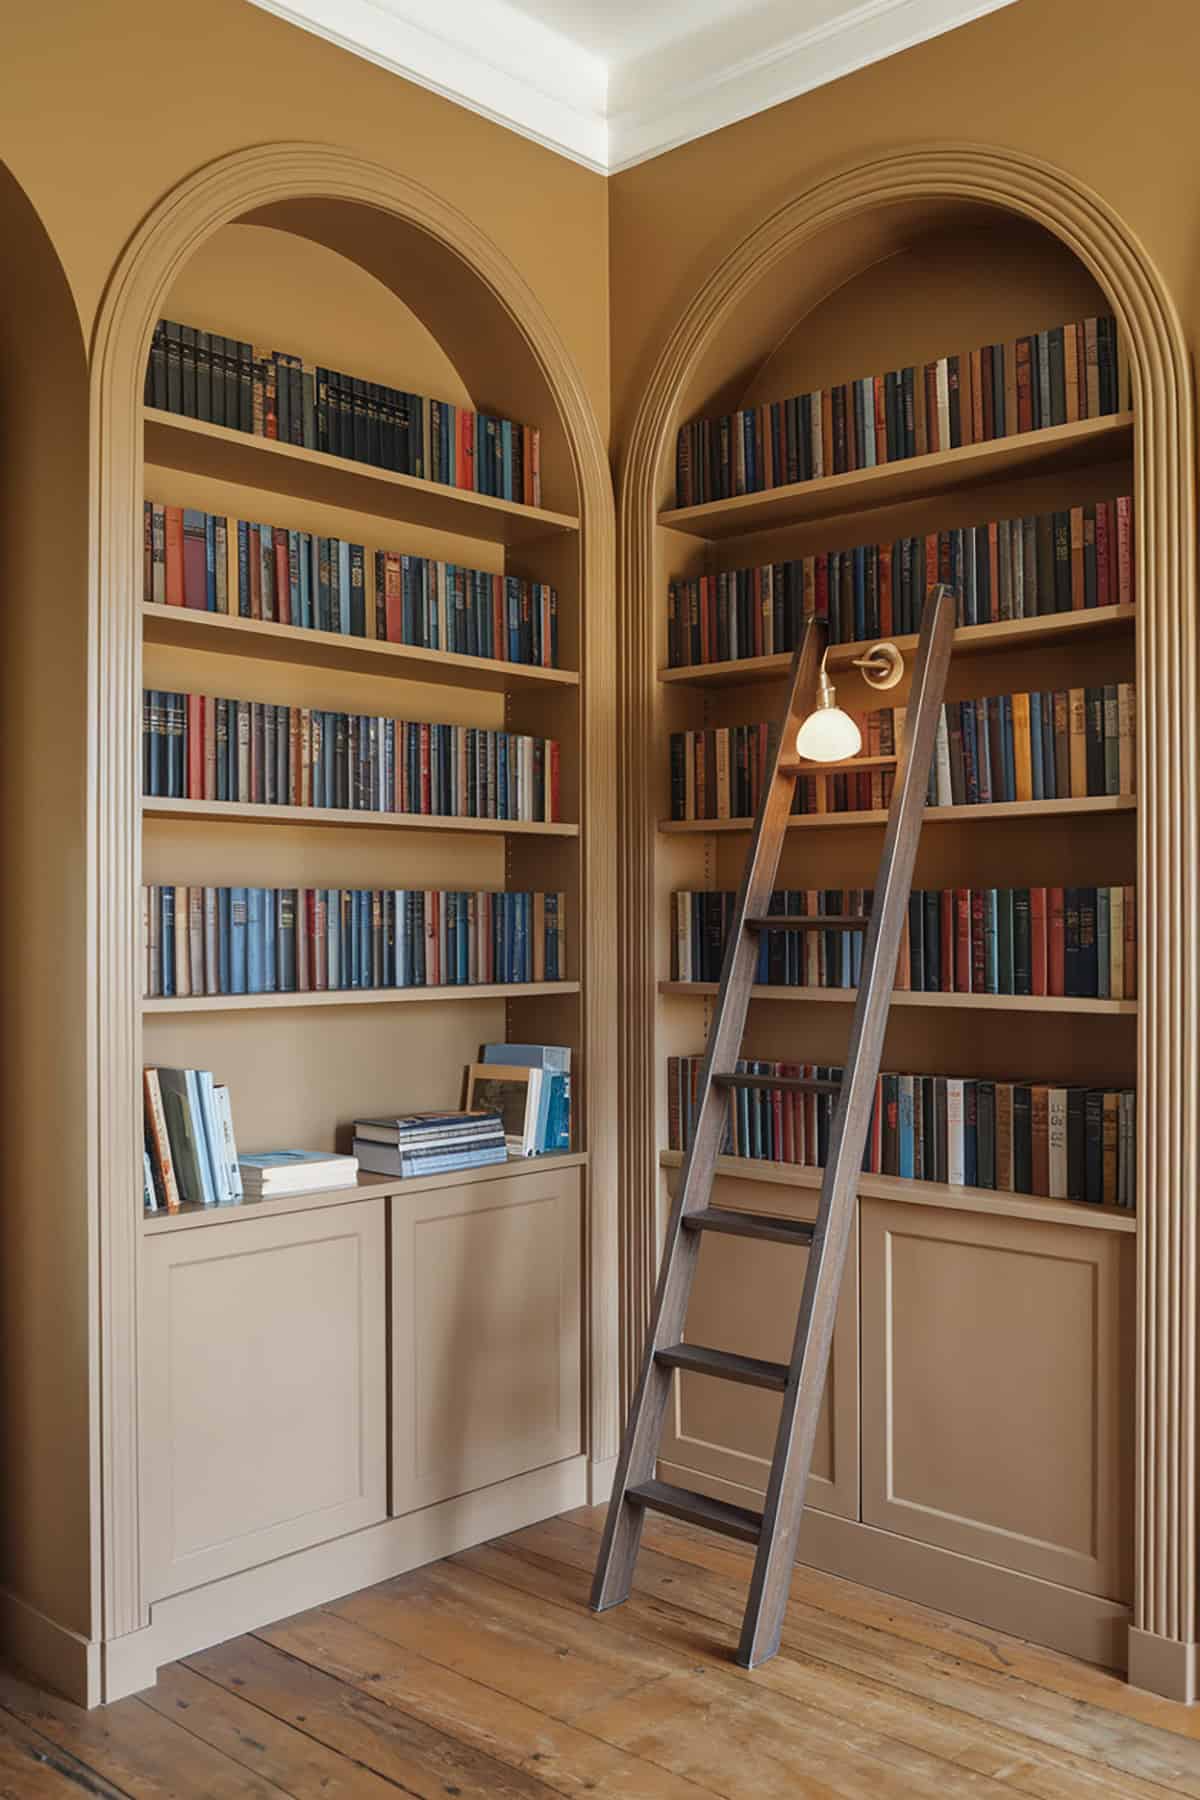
<point>245,182</point>
<point>1163,1636</point>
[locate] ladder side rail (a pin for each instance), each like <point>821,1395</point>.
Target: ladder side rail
<point>800,1411</point>
<point>639,1448</point>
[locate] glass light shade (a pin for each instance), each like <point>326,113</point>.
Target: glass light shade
<point>828,735</point>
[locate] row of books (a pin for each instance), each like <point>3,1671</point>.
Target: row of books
<point>190,1151</point>
<point>275,394</point>
<point>297,578</point>
<point>250,940</point>
<point>1064,1143</point>
<point>197,747</point>
<point>1057,745</point>
<point>1007,569</point>
<point>1076,941</point>
<point>1051,377</point>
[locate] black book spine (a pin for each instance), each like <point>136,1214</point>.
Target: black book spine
<point>916,941</point>
<point>1094,727</point>
<point>1022,1139</point>
<point>1076,1144</point>
<point>1062,562</point>
<point>1087,963</point>
<point>1072,978</point>
<point>985,1113</point>
<point>187,340</point>
<point>1093,1147</point>
<point>204,376</point>
<point>156,369</point>
<point>1058,383</point>
<point>933,963</point>
<point>1022,970</point>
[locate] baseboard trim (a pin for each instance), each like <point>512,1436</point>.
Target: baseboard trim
<point>1165,1666</point>
<point>223,1609</point>
<point>600,1480</point>
<point>59,1658</point>
<point>1082,1625</point>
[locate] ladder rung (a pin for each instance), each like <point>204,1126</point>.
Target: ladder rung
<point>747,1224</point>
<point>786,1084</point>
<point>808,922</point>
<point>698,1509</point>
<point>747,1369</point>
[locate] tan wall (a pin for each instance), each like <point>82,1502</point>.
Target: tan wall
<point>1098,87</point>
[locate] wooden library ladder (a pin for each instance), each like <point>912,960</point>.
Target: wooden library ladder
<point>775,1531</point>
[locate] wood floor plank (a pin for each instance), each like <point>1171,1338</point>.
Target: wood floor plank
<point>34,1768</point>
<point>307,1769</point>
<point>692,1610</point>
<point>570,1761</point>
<point>867,1766</point>
<point>142,1754</point>
<point>907,1618</point>
<point>381,1738</point>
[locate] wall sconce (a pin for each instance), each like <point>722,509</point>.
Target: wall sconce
<point>830,735</point>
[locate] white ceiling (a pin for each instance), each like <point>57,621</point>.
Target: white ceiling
<point>610,83</point>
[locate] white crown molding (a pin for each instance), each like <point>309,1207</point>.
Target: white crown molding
<point>540,83</point>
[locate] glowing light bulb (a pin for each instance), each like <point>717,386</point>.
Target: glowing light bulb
<point>828,735</point>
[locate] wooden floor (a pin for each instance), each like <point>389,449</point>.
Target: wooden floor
<point>485,1675</point>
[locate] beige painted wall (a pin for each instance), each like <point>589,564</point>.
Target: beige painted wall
<point>1102,88</point>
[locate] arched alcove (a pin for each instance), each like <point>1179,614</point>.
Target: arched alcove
<point>44,1226</point>
<point>469,323</point>
<point>868,244</point>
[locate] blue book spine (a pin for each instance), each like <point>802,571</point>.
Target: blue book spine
<point>210,561</point>
<point>970,752</point>
<point>243,596</point>
<point>224,966</point>
<point>906,1135</point>
<point>256,942</point>
<point>305,574</point>
<point>991,972</point>
<point>343,563</point>
<point>202,1138</point>
<point>270,953</point>
<point>507,431</point>
<point>238,928</point>
<point>166,939</point>
<point>365,940</point>
<point>334,977</point>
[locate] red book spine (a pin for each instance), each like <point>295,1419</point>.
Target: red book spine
<point>1056,942</point>
<point>1038,941</point>
<point>821,586</point>
<point>978,948</point>
<point>946,945</point>
<point>1125,550</point>
<point>555,814</point>
<point>174,553</point>
<point>1105,588</point>
<point>195,730</point>
<point>393,597</point>
<point>962,940</point>
<point>283,580</point>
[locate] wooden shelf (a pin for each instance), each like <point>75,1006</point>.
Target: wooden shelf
<point>934,815</point>
<point>237,456</point>
<point>918,477</point>
<point>1005,634</point>
<point>419,996</point>
<point>926,1193</point>
<point>1021,1003</point>
<point>368,1187</point>
<point>227,635</point>
<point>239,812</point>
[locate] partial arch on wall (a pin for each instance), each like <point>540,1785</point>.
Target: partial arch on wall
<point>864,202</point>
<point>489,312</point>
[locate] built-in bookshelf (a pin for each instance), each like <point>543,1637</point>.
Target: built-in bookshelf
<point>301,1065</point>
<point>757,551</point>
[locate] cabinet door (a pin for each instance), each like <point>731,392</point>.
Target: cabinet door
<point>265,1389</point>
<point>486,1369</point>
<point>998,1390</point>
<point>745,1299</point>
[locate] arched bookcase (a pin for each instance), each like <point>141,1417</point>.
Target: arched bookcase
<point>354,259</point>
<point>915,255</point>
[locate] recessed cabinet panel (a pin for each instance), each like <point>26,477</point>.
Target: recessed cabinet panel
<point>998,1390</point>
<point>486,1373</point>
<point>265,1366</point>
<point>745,1299</point>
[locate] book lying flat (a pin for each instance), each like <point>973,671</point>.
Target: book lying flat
<point>272,1173</point>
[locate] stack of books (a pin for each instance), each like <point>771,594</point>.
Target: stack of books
<point>268,572</point>
<point>242,940</point>
<point>1023,1137</point>
<point>197,747</point>
<point>1068,941</point>
<point>277,1174</point>
<point>275,394</point>
<point>190,1152</point>
<point>429,1143</point>
<point>1069,561</point>
<point>1053,377</point>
